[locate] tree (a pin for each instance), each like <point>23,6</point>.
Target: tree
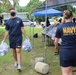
<point>65,7</point>
<point>31,6</point>
<point>62,8</point>
<point>16,4</point>
<point>4,5</point>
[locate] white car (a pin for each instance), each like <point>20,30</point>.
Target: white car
<point>33,23</point>
<point>29,23</point>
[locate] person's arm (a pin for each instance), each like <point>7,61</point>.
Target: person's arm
<point>56,44</point>
<point>58,35</point>
<point>24,33</point>
<point>5,35</point>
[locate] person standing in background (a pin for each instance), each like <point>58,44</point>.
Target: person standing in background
<point>1,20</point>
<point>15,28</point>
<point>47,22</point>
<point>56,22</point>
<point>74,20</point>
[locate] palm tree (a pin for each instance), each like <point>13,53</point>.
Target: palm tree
<point>5,5</point>
<point>16,4</point>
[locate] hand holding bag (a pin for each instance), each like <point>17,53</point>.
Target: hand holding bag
<point>26,45</point>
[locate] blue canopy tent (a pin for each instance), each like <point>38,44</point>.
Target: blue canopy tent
<point>46,12</point>
<point>50,12</point>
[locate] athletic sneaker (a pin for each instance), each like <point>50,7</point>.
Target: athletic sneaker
<point>19,68</point>
<point>15,64</point>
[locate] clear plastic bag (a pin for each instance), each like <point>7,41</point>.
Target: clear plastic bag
<point>26,45</point>
<point>4,48</point>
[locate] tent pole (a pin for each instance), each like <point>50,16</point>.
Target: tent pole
<point>32,53</point>
<point>32,38</point>
<point>45,33</point>
<point>33,31</point>
<point>30,32</point>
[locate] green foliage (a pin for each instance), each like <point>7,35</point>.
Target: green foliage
<point>74,14</point>
<point>40,19</point>
<point>73,9</point>
<point>65,7</point>
<point>62,8</point>
<point>32,5</point>
<point>1,9</point>
<point>16,4</point>
<point>4,6</point>
<point>21,9</point>
<point>69,7</point>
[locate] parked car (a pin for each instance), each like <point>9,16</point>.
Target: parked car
<point>29,23</point>
<point>33,23</point>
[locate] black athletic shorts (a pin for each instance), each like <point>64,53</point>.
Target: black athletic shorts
<point>68,58</point>
<point>15,41</point>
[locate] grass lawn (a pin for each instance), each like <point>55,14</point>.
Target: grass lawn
<point>6,62</point>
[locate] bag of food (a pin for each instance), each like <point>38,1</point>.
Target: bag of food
<point>26,45</point>
<point>4,48</point>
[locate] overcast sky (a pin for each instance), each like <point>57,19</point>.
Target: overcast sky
<point>24,2</point>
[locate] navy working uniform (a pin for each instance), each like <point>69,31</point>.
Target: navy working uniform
<point>13,25</point>
<point>67,32</point>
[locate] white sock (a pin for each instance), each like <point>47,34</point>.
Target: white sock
<point>15,61</point>
<point>19,65</point>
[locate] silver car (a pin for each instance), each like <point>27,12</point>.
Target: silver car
<point>29,23</point>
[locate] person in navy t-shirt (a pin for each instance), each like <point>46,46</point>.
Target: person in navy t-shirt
<point>67,32</point>
<point>15,28</point>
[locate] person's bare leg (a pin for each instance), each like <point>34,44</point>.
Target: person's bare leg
<point>18,51</point>
<point>71,71</point>
<point>15,57</point>
<point>14,54</point>
<point>67,70</point>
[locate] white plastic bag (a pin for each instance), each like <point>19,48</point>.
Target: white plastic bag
<point>26,45</point>
<point>3,48</point>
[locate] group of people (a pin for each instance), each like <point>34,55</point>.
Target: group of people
<point>66,31</point>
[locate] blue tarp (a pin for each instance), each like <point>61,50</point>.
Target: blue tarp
<point>50,12</point>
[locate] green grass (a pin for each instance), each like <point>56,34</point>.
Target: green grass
<point>6,62</point>
<point>74,14</point>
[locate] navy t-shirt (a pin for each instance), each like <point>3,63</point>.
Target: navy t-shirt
<point>67,32</point>
<point>14,26</point>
